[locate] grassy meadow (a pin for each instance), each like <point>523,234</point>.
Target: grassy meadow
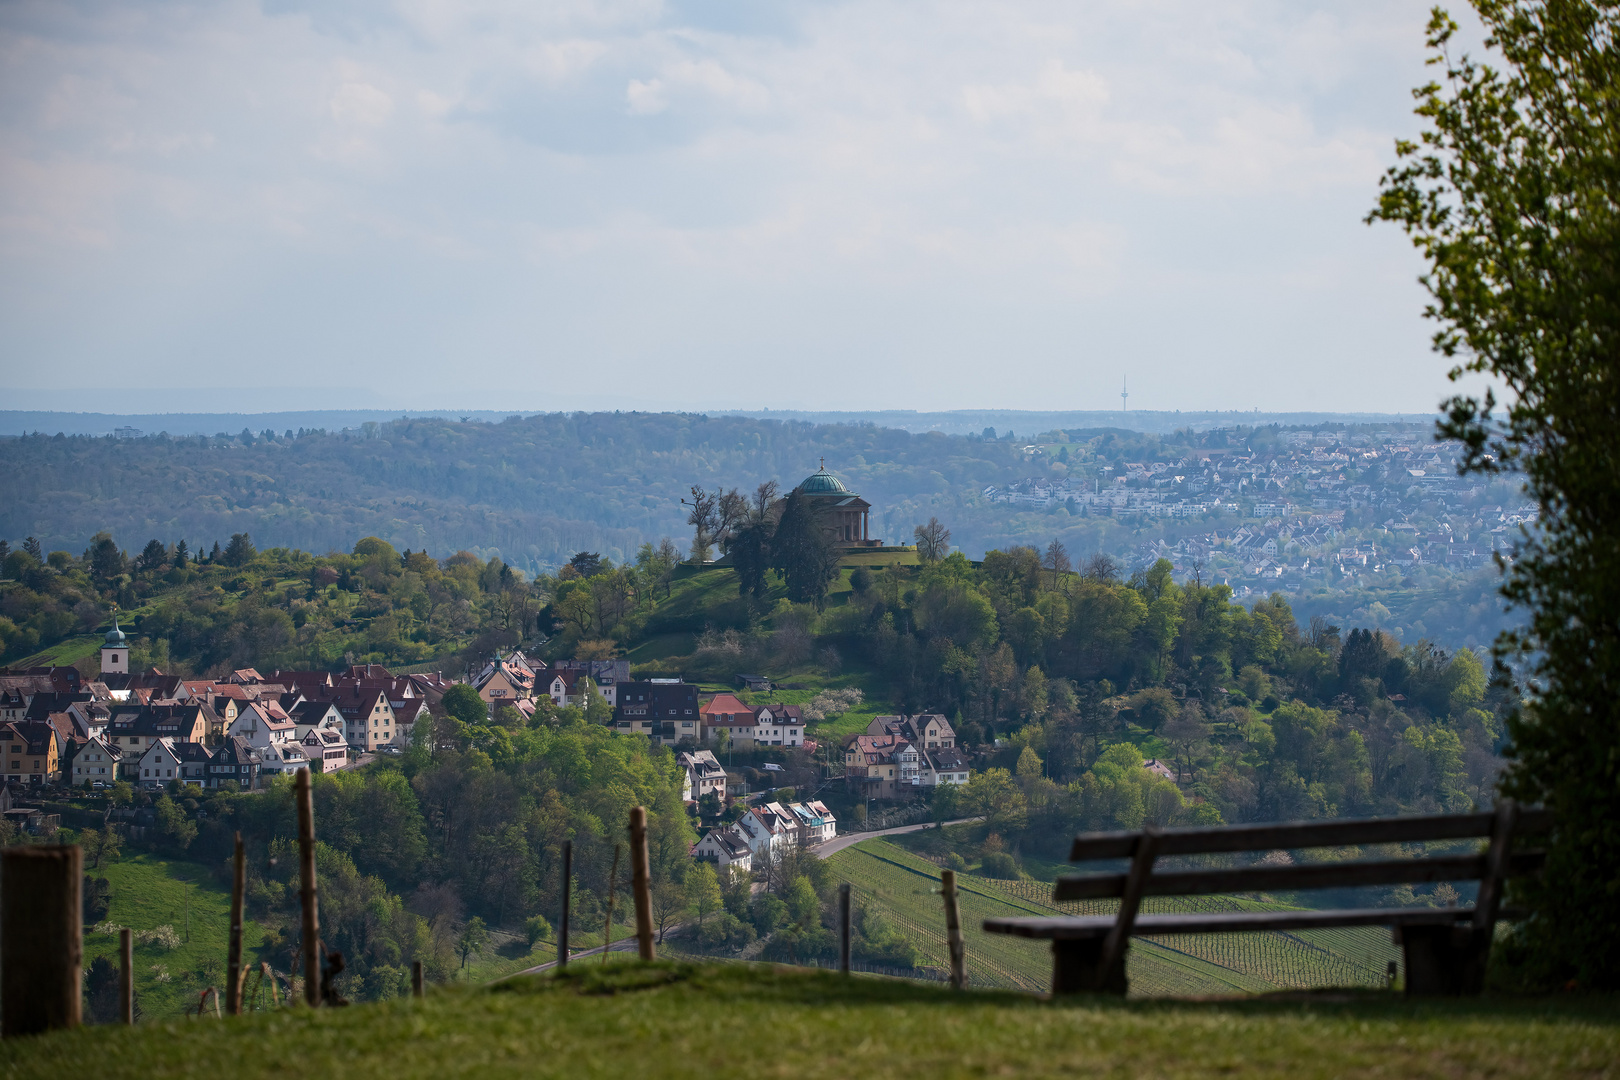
<point>683,1020</point>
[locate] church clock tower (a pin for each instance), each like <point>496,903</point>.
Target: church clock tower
<point>115,653</point>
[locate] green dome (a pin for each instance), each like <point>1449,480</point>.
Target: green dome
<point>823,482</point>
<point>115,637</point>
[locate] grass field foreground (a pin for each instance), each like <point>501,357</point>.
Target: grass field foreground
<point>678,1020</point>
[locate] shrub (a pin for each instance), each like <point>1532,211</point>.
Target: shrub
<point>999,864</point>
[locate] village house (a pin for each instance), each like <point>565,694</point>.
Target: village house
<point>32,752</point>
<point>926,730</point>
<point>664,710</point>
<point>943,765</point>
<point>96,762</point>
<point>134,728</point>
<point>704,775</point>
<point>235,761</point>
<point>726,712</point>
<point>815,822</point>
<point>722,846</point>
<point>167,760</point>
<point>773,729</point>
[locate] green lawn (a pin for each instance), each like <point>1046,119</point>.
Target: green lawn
<point>680,1020</point>
<point>149,892</point>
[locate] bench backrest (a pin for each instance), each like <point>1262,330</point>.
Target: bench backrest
<point>1506,821</point>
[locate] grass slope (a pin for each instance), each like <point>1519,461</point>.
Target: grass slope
<point>905,889</point>
<point>678,1020</point>
<point>149,892</point>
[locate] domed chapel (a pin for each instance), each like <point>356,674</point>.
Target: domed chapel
<point>847,515</point>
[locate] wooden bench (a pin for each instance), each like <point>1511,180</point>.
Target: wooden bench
<point>1446,949</point>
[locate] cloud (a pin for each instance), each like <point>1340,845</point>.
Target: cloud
<point>951,204</point>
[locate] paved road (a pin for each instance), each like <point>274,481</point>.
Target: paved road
<point>627,944</point>
<point>839,843</point>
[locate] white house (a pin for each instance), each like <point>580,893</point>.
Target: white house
<point>764,831</point>
<point>725,849</point>
<point>167,760</point>
<point>96,760</point>
<point>773,730</point>
<point>281,757</point>
<point>262,724</point>
<point>942,765</point>
<point>816,823</point>
<point>704,775</point>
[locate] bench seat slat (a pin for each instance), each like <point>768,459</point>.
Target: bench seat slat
<point>1279,878</point>
<point>1343,832</point>
<point>1089,926</point>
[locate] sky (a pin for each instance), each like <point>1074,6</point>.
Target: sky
<point>729,204</point>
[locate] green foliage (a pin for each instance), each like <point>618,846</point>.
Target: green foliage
<point>1512,197</point>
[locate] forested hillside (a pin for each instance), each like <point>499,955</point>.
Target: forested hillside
<point>533,491</point>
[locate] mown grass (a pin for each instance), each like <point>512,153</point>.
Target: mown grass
<point>681,1020</point>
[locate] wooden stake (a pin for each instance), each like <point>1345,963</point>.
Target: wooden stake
<point>640,883</point>
<point>843,928</point>
<point>568,896</point>
<point>233,950</point>
<point>306,873</point>
<point>953,930</point>
<point>613,887</point>
<point>416,978</point>
<point>126,976</point>
<point>41,938</point>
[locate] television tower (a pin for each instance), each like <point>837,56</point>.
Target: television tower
<point>1124,395</point>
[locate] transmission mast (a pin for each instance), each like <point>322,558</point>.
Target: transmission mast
<point>1124,395</point>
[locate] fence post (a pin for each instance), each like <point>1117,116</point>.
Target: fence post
<point>613,887</point>
<point>639,880</point>
<point>306,873</point>
<point>41,938</point>
<point>233,951</point>
<point>416,978</point>
<point>953,930</point>
<point>126,976</point>
<point>843,928</point>
<point>568,890</point>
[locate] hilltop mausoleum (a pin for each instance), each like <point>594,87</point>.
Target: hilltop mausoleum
<point>848,516</point>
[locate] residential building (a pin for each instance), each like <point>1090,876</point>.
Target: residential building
<point>723,847</point>
<point>94,762</point>
<point>32,752</point>
<point>772,729</point>
<point>704,774</point>
<point>665,710</point>
<point>167,760</point>
<point>235,760</point>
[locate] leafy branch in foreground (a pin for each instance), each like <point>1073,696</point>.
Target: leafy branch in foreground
<point>1513,196</point>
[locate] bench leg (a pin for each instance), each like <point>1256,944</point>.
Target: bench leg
<point>1076,968</point>
<point>1445,961</point>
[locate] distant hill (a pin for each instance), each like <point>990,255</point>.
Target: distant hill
<point>1023,424</point>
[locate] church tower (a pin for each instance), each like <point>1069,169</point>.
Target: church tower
<point>115,653</point>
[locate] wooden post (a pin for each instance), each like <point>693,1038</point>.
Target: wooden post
<point>306,874</point>
<point>126,976</point>
<point>41,938</point>
<point>233,951</point>
<point>416,978</point>
<point>843,928</point>
<point>568,896</point>
<point>953,930</point>
<point>1136,879</point>
<point>613,887</point>
<point>639,880</point>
